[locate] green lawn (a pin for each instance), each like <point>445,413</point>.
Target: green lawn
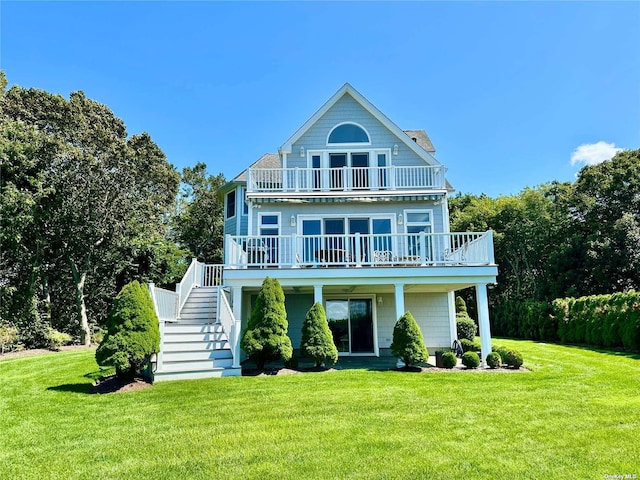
<point>576,415</point>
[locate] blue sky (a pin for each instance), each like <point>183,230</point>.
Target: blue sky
<point>507,91</point>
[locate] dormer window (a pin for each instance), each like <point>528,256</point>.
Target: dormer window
<point>348,133</point>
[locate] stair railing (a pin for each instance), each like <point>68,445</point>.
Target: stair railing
<point>230,324</point>
<point>192,278</point>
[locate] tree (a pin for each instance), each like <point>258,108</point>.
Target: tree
<point>317,340</point>
<point>265,337</point>
<point>407,343</point>
<point>92,196</point>
<point>199,223</point>
<point>132,334</point>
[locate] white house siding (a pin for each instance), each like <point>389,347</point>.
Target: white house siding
<point>347,109</point>
<point>431,311</point>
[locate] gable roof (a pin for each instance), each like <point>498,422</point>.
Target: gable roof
<point>268,160</point>
<point>347,89</point>
<point>422,139</point>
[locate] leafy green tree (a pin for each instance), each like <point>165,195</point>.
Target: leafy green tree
<point>84,196</point>
<point>407,343</point>
<point>199,223</point>
<point>317,340</point>
<point>265,337</point>
<point>132,334</point>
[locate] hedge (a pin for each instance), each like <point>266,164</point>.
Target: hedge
<point>599,320</point>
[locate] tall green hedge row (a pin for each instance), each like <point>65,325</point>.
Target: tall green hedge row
<point>598,320</point>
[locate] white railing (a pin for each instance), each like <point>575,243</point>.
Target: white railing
<point>211,275</point>
<point>230,324</point>
<point>166,303</point>
<point>358,250</point>
<point>345,179</point>
<point>190,279</point>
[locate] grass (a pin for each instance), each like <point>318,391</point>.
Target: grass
<point>576,415</point>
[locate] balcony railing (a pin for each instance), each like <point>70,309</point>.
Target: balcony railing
<point>288,180</point>
<point>359,250</point>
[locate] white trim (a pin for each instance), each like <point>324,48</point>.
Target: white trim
<point>346,216</point>
<point>269,214</point>
<point>374,320</point>
<point>347,143</point>
<point>373,110</point>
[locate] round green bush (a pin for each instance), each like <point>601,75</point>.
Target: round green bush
<point>449,360</point>
<point>494,360</point>
<point>469,346</point>
<point>513,358</point>
<point>502,351</point>
<point>466,327</point>
<point>471,360</point>
<point>407,343</point>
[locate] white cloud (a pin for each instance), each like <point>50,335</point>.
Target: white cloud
<point>594,153</point>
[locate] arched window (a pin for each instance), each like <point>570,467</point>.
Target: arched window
<point>348,133</point>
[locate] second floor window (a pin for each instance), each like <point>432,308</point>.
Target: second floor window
<point>231,205</point>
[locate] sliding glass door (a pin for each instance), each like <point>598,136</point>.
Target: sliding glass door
<point>351,324</point>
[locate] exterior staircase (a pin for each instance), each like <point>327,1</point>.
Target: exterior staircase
<point>194,345</point>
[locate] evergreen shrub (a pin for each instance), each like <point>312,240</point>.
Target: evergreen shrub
<point>407,343</point>
<point>8,338</point>
<point>317,340</point>
<point>265,337</point>
<point>469,346</point>
<point>57,339</point>
<point>449,360</point>
<point>471,360</point>
<point>133,335</point>
<point>513,358</point>
<point>467,328</point>
<point>494,360</point>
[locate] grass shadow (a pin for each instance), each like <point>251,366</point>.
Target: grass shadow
<point>73,388</point>
<point>614,352</point>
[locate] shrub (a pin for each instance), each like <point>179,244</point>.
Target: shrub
<point>469,346</point>
<point>408,344</point>
<point>467,328</point>
<point>494,360</point>
<point>471,360</point>
<point>513,358</point>
<point>461,305</point>
<point>265,337</point>
<point>502,351</point>
<point>8,338</point>
<point>132,332</point>
<point>449,360</point>
<point>317,340</point>
<point>57,339</point>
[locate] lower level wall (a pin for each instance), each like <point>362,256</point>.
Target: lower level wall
<point>431,311</point>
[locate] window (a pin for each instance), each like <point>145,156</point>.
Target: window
<point>348,133</point>
<point>269,230</point>
<point>231,204</point>
<point>418,221</point>
<point>245,205</point>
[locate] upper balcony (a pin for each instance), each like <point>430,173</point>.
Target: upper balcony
<point>341,180</point>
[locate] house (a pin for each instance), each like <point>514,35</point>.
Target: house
<point>351,212</point>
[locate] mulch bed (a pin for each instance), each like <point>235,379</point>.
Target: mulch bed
<point>113,384</point>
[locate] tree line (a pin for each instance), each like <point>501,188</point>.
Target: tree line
<point>86,208</point>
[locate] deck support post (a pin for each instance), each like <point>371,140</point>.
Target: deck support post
<point>317,294</point>
<point>453,327</point>
<point>237,313</point>
<point>483,320</point>
<point>399,300</point>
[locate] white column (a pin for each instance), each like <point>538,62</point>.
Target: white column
<point>399,298</point>
<point>453,328</point>
<point>483,320</point>
<point>237,327</point>
<point>317,294</point>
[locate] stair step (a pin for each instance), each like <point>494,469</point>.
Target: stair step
<point>185,365</point>
<point>192,327</point>
<point>179,345</point>
<point>162,376</point>
<point>197,355</point>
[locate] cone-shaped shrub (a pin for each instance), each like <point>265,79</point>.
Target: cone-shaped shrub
<point>317,340</point>
<point>265,337</point>
<point>408,344</point>
<point>466,327</point>
<point>132,332</point>
<point>461,305</point>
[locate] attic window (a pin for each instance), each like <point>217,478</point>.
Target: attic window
<point>348,133</point>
